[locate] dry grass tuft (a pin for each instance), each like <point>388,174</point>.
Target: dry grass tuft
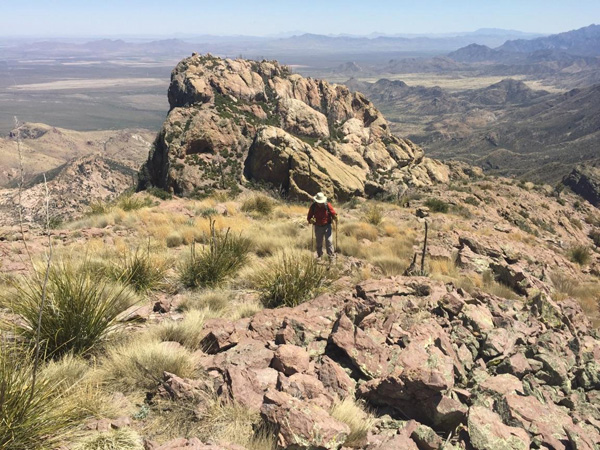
<point>588,294</point>
<point>188,332</point>
<point>121,439</point>
<point>139,364</point>
<point>360,230</point>
<point>357,417</point>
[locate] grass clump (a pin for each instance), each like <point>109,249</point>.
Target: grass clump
<point>595,237</point>
<point>98,207</point>
<point>260,204</point>
<point>290,280</point>
<point>437,205</point>
<point>353,414</point>
<point>140,364</point>
<point>80,308</point>
<point>222,258</point>
<point>130,202</point>
<point>580,254</point>
<point>209,300</point>
<point>139,270</point>
<point>121,439</point>
<point>188,332</point>
<point>30,418</point>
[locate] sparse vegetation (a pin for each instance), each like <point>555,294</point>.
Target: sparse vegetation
<point>289,280</point>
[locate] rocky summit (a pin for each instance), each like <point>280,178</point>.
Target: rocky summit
<point>234,120</point>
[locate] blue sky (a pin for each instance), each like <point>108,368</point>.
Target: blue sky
<point>263,17</point>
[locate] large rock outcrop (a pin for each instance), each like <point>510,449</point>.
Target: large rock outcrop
<point>585,181</point>
<point>236,119</point>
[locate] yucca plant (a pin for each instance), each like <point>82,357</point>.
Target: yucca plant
<point>290,280</point>
<point>31,416</point>
<point>80,308</point>
<point>222,258</point>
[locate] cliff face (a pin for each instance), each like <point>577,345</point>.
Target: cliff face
<point>236,119</point>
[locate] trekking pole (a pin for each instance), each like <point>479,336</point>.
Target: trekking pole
<point>312,239</point>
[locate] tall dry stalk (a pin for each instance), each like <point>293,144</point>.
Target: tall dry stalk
<point>44,281</point>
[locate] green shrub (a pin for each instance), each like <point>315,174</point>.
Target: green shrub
<point>290,280</point>
<point>580,254</point>
<point>129,202</point>
<point>472,201</point>
<point>80,308</point>
<point>98,207</point>
<point>437,205</point>
<point>260,204</point>
<point>208,212</point>
<point>174,239</point>
<point>28,420</point>
<point>140,270</point>
<point>159,193</point>
<point>223,257</point>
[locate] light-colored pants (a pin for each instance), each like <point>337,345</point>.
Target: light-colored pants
<point>324,231</point>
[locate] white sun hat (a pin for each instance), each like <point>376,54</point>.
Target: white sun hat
<point>320,198</point>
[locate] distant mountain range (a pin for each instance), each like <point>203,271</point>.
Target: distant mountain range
<point>507,127</point>
<point>289,45</point>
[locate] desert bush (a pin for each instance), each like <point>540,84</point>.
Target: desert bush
<point>437,205</point>
<point>472,201</point>
<point>130,202</point>
<point>98,207</point>
<point>29,418</point>
<point>592,219</point>
<point>140,270</point>
<point>580,254</point>
<point>576,223</point>
<point>261,204</point>
<point>223,257</point>
<point>120,439</point>
<point>80,308</point>
<point>289,280</point>
<point>140,364</point>
<point>174,239</point>
<point>374,215</point>
<point>159,193</point>
<point>357,417</point>
<point>595,237</point>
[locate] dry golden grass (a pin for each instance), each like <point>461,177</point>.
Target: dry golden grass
<point>357,417</point>
<point>390,265</point>
<point>121,439</point>
<point>139,363</point>
<point>587,293</point>
<point>188,332</point>
<point>360,230</point>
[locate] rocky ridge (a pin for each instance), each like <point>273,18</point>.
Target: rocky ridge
<point>442,368</point>
<point>237,119</point>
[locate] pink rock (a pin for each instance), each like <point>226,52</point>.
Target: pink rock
<point>300,424</point>
<point>335,379</point>
<point>306,387</point>
<point>487,432</point>
<point>290,359</point>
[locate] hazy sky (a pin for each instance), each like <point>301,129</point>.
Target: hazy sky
<point>262,17</point>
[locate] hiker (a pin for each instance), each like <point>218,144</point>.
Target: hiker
<point>321,214</point>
